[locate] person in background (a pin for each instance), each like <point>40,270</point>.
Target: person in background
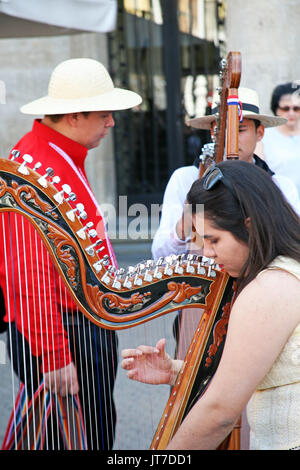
<point>170,237</point>
<point>281,145</point>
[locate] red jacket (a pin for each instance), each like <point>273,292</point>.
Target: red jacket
<point>34,295</point>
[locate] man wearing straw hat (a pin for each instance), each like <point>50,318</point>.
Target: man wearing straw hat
<point>170,237</point>
<point>67,351</point>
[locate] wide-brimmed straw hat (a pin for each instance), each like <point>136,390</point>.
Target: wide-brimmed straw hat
<point>250,110</point>
<point>78,85</point>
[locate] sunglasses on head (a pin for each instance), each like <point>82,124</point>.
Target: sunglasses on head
<point>286,109</point>
<point>212,176</point>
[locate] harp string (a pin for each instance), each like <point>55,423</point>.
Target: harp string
<point>7,286</point>
<point>19,366</point>
<point>46,299</point>
<point>42,327</point>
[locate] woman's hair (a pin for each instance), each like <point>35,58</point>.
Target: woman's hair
<point>274,227</point>
<point>284,89</point>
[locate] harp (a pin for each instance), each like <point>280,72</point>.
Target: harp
<point>109,299</point>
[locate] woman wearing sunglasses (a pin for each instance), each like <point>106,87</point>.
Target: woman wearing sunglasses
<point>281,145</point>
<point>252,231</point>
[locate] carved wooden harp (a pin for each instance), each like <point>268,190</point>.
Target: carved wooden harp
<point>110,300</point>
<point>113,300</point>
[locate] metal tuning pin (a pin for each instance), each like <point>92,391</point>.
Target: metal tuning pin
<point>201,268</point>
<point>168,271</point>
<point>43,180</point>
<point>102,262</point>
<point>157,273</point>
<point>116,282</point>
<point>72,197</point>
<point>82,232</point>
<point>137,280</point>
<point>128,279</point>
<point>59,197</point>
<point>223,64</point>
<point>80,209</point>
<point>23,168</point>
<point>211,272</point>
<point>106,278</point>
<point>55,180</point>
<point>91,249</point>
<point>81,212</point>
<point>37,166</point>
<point>178,268</point>
<point>189,268</point>
<point>92,233</point>
<point>147,276</point>
<point>15,154</point>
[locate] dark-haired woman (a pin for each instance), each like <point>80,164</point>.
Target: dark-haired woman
<point>281,145</point>
<point>252,231</point>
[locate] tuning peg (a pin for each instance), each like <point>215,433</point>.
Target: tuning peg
<point>147,276</point>
<point>189,268</point>
<point>223,64</point>
<point>178,268</point>
<point>55,180</point>
<point>91,249</point>
<point>37,166</point>
<point>81,212</point>
<point>116,282</point>
<point>201,269</point>
<point>15,154</point>
<point>81,232</point>
<point>102,262</point>
<point>43,179</point>
<point>72,197</point>
<point>23,168</point>
<point>59,197</point>
<point>127,282</point>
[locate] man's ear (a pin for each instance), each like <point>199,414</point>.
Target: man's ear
<point>72,119</point>
<point>247,222</point>
<point>260,131</point>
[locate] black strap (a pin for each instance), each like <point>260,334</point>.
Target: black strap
<point>262,164</point>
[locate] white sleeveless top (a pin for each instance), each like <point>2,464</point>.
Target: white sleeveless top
<point>273,411</point>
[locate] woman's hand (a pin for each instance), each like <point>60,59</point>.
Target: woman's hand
<point>150,365</point>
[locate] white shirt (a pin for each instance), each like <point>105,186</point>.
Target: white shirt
<point>282,154</point>
<point>166,241</point>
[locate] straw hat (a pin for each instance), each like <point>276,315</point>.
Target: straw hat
<point>250,105</point>
<point>78,85</point>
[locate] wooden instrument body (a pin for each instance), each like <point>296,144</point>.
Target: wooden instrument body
<point>105,299</point>
<point>117,302</point>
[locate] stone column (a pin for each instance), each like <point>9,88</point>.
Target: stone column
<point>266,33</point>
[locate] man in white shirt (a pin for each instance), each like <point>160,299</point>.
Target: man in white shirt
<point>170,237</point>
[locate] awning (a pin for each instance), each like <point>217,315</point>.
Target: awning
<point>19,18</point>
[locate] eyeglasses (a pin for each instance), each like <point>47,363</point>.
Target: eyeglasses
<point>286,109</point>
<point>211,178</point>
